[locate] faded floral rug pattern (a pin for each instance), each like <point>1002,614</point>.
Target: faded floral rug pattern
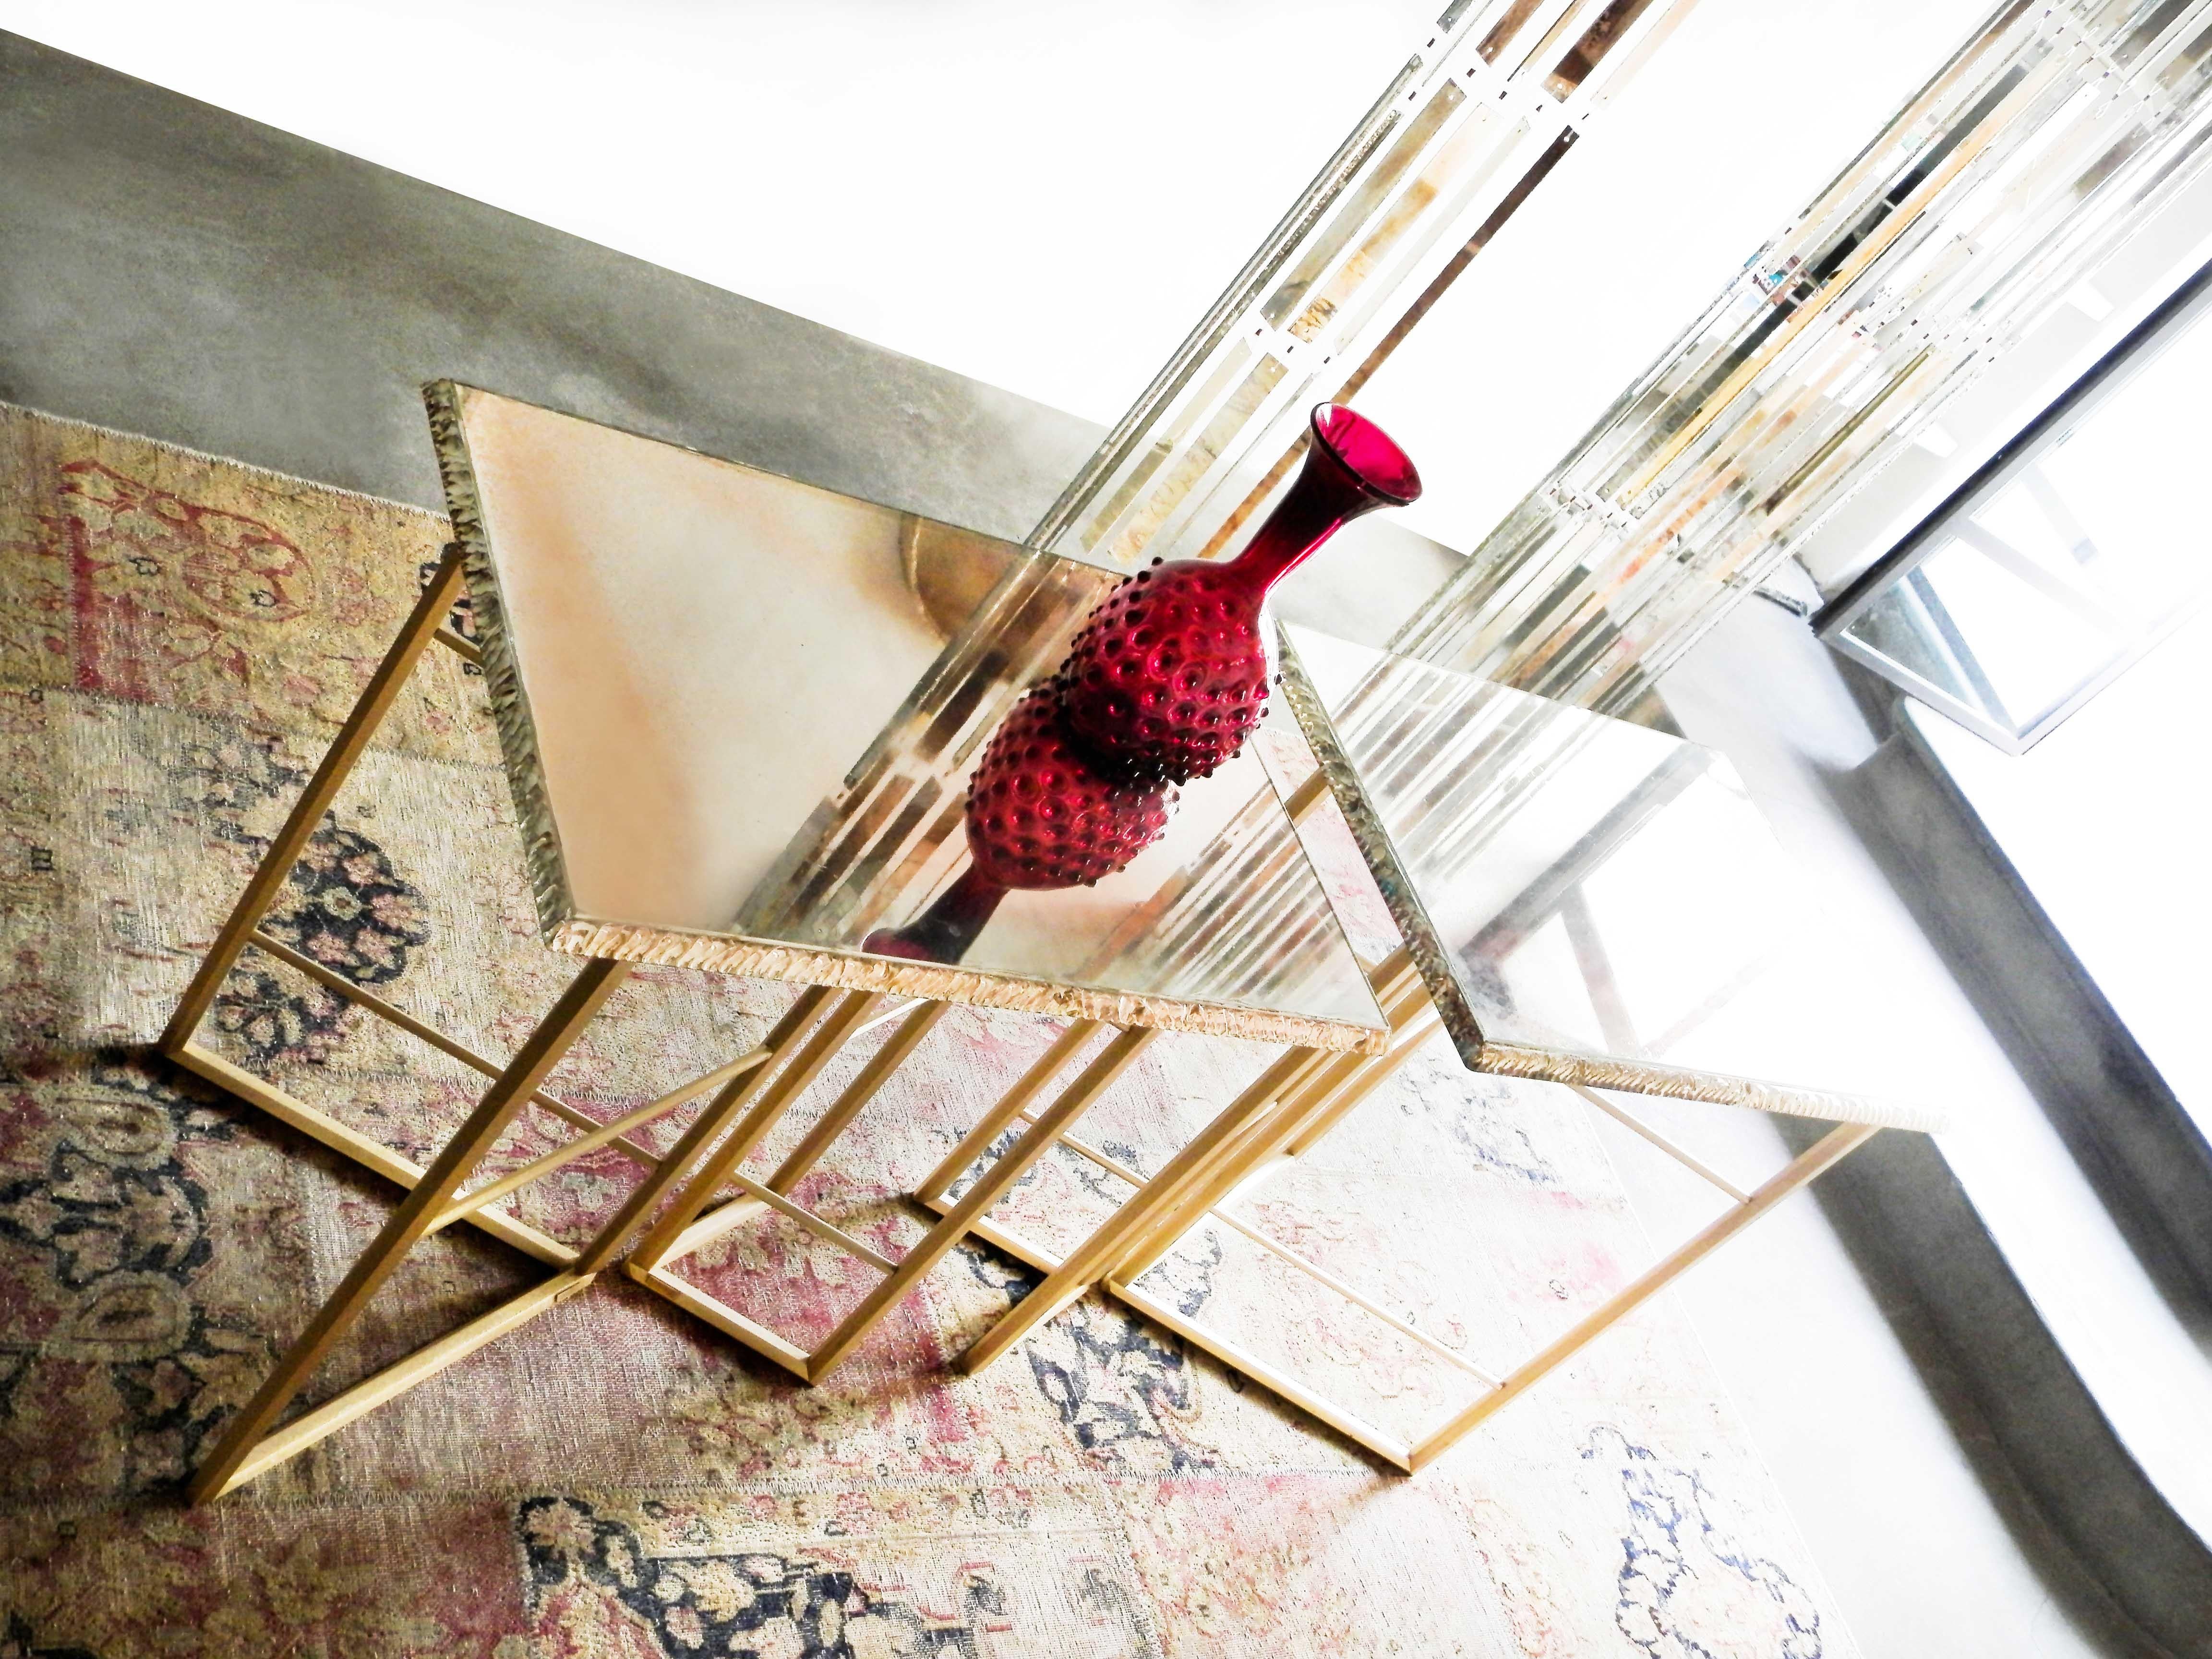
<point>179,637</point>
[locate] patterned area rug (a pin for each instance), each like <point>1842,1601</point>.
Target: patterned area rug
<point>179,637</point>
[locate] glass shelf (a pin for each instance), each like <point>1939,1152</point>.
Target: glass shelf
<point>738,741</point>
<point>1589,901</point>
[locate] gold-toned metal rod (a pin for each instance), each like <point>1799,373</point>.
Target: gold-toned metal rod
<point>1307,1135</point>
<point>1136,1177</point>
<point>372,1155</point>
<point>465,649</point>
<point>1090,1260</point>
<point>722,1317</point>
<point>712,1224</point>
<point>1112,1166</point>
<point>827,1231</point>
<point>1324,1087</point>
<point>845,1010</point>
<point>1268,1376</point>
<point>806,1013</point>
<point>568,1151</point>
<point>1010,1105</point>
<point>1027,1254</point>
<point>501,1102</point>
<point>366,1396</point>
<point>1026,1251</point>
<point>1807,1165</point>
<point>1315,1270</point>
<point>1232,1159</point>
<point>1229,1160</point>
<point>756,1196</point>
<point>391,1013</point>
<point>1318,1095</point>
<point>1104,1160</point>
<point>276,866</point>
<point>918,1023</point>
<point>1306,800</point>
<point>887,1016</point>
<point>989,1186</point>
<point>1389,978</point>
<point>1005,1238</point>
<point>1323,1101</point>
<point>1681,1155</point>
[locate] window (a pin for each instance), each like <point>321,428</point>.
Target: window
<point>2077,548</point>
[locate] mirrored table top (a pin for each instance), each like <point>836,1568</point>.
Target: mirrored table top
<point>737,740</point>
<point>1588,900</point>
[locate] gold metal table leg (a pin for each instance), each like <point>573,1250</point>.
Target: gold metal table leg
<point>440,1184</point>
<point>990,1186</point>
<point>683,1228</point>
<point>345,751</point>
<point>1801,1171</point>
<point>914,1025</point>
<point>831,1017</point>
<point>1095,1254</point>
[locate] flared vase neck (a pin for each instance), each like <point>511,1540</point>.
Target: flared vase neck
<point>1326,496</point>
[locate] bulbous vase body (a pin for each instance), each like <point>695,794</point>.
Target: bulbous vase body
<point>1163,682</point>
<point>1168,677</point>
<point>1043,813</point>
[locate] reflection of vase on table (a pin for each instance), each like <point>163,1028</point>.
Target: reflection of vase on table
<point>1163,682</point>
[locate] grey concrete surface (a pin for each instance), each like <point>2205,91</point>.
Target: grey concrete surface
<point>2144,1153</point>
<point>168,268</point>
<point>1982,1371</point>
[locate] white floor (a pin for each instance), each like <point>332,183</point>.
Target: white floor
<point>1918,1553</point>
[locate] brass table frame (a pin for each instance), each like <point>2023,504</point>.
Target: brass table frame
<point>756,1086</point>
<point>1281,1115</point>
<point>751,1092</point>
<point>1300,1098</point>
<point>682,1228</point>
<point>749,1096</point>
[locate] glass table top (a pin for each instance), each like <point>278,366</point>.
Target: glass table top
<point>1588,900</point>
<point>738,741</point>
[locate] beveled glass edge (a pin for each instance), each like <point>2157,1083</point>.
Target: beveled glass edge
<point>510,707</point>
<point>1643,1077</point>
<point>1424,942</point>
<point>562,929</point>
<point>733,953</point>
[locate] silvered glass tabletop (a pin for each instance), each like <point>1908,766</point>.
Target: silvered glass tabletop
<point>738,741</point>
<point>1588,900</point>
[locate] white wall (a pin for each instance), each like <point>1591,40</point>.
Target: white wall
<point>1046,195</point>
<point>1732,127</point>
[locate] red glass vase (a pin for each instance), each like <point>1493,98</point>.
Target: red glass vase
<point>1041,813</point>
<point>1168,677</point>
<point>1164,681</point>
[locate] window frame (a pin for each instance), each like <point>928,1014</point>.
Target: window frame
<point>2185,306</point>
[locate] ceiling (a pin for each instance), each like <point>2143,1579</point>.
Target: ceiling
<point>1046,195</point>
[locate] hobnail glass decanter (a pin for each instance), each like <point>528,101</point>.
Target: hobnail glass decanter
<point>1164,681</point>
<point>1169,674</point>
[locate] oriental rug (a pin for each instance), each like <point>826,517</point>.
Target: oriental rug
<point>179,637</point>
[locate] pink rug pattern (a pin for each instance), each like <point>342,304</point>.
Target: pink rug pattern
<point>179,637</point>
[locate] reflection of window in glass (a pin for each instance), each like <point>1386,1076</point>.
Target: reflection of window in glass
<point>2066,558</point>
<point>1651,928</point>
